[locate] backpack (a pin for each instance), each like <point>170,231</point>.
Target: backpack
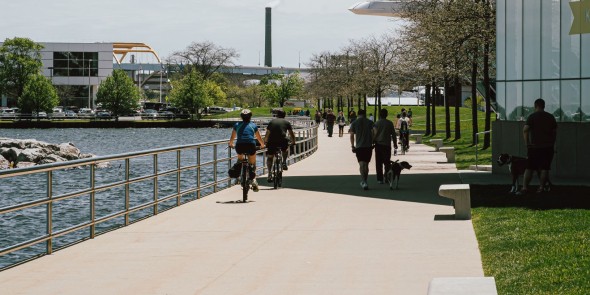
<point>404,125</point>
<point>234,171</point>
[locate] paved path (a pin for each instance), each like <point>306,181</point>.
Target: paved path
<point>321,234</point>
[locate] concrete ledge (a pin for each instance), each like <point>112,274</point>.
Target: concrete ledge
<point>480,167</point>
<point>463,286</point>
<point>461,196</point>
<point>417,138</point>
<point>450,152</point>
<point>437,143</point>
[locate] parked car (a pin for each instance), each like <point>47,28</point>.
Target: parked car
<point>217,110</point>
<point>149,114</point>
<point>103,115</point>
<point>40,115</point>
<point>166,114</point>
<point>85,112</point>
<point>9,113</point>
<point>70,114</point>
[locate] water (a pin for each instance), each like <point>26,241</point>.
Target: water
<point>23,225</point>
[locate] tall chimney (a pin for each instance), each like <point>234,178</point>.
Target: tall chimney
<point>268,39</point>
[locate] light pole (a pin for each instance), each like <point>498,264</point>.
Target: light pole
<point>89,86</point>
<point>161,70</point>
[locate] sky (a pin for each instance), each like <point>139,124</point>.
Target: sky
<point>300,27</point>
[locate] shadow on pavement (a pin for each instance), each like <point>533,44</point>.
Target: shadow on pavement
<point>418,188</point>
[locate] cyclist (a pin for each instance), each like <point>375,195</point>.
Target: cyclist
<point>403,125</point>
<point>247,133</point>
<point>276,139</point>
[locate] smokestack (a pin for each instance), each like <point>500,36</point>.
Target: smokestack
<point>268,39</point>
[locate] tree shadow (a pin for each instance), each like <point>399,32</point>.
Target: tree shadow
<point>417,188</point>
<point>560,197</point>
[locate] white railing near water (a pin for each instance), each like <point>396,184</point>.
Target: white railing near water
<point>306,144</point>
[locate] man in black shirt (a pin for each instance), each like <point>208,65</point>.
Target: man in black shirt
<point>539,133</point>
<point>276,139</point>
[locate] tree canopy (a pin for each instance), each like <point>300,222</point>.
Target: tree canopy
<point>118,94</point>
<point>19,59</point>
<point>39,95</point>
<point>192,92</point>
<point>205,57</point>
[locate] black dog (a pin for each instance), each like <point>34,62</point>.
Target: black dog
<point>395,171</point>
<point>517,166</point>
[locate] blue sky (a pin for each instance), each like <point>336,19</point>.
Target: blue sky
<point>300,27</point>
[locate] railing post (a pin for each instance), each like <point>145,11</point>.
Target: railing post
<point>214,168</point>
<point>92,200</point>
<point>155,184</point>
<point>178,177</point>
<point>228,165</point>
<point>198,172</point>
<point>127,194</point>
<point>49,212</point>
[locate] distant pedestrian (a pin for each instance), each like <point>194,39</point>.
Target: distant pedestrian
<point>330,120</point>
<point>341,123</point>
<point>351,116</point>
<point>318,117</point>
<point>384,135</point>
<point>307,113</point>
<point>324,115</point>
<point>361,140</point>
<point>540,132</point>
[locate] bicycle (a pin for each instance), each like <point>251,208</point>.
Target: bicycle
<point>404,142</point>
<point>277,169</point>
<point>244,179</point>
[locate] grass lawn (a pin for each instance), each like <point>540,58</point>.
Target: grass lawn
<point>537,244</point>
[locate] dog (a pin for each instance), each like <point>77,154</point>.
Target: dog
<point>395,171</point>
<point>517,166</point>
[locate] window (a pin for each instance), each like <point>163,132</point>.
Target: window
<point>532,39</point>
<point>75,64</point>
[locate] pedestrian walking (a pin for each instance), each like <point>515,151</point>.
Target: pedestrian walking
<point>330,120</point>
<point>384,135</point>
<point>341,123</point>
<point>361,140</point>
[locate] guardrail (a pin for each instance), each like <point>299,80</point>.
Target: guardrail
<point>190,172</point>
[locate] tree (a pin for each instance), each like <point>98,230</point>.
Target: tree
<point>118,94</point>
<point>39,95</point>
<point>19,59</point>
<point>191,93</point>
<point>205,57</point>
<point>290,86</point>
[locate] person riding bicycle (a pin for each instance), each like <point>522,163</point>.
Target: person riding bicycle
<point>403,125</point>
<point>276,139</point>
<point>247,133</point>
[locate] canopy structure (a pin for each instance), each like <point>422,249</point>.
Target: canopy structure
<point>379,8</point>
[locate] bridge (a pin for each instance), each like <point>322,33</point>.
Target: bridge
<point>320,234</point>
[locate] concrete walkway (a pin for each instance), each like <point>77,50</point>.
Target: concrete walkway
<point>321,234</point>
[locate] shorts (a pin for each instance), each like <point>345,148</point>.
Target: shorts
<point>246,148</point>
<point>540,158</point>
<point>364,154</point>
<point>273,147</point>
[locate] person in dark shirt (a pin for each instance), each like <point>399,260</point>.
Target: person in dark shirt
<point>540,131</point>
<point>361,140</point>
<point>330,120</point>
<point>276,139</point>
<point>384,135</point>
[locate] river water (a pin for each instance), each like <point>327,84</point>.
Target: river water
<point>23,225</point>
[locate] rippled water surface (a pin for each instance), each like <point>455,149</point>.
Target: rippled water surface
<point>26,224</point>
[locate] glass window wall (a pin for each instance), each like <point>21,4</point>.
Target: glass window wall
<point>501,40</point>
<point>532,40</point>
<point>531,91</point>
<point>570,44</point>
<point>514,101</point>
<point>75,64</point>
<point>551,94</point>
<point>570,100</point>
<point>585,113</point>
<point>513,40</point>
<point>550,41</point>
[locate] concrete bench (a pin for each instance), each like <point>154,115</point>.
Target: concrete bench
<point>463,286</point>
<point>437,143</point>
<point>461,197</point>
<point>417,138</point>
<point>450,152</point>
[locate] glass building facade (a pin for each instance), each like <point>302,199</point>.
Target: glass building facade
<point>543,52</point>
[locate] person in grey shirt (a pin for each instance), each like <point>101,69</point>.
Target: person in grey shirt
<point>384,135</point>
<point>361,139</point>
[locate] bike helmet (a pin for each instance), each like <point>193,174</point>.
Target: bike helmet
<point>246,114</point>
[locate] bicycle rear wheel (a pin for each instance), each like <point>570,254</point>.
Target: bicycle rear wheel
<point>275,172</point>
<point>245,182</point>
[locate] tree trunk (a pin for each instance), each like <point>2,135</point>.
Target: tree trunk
<point>447,109</point>
<point>474,99</point>
<point>434,100</point>
<point>379,91</point>
<point>427,102</point>
<point>486,78</point>
<point>458,101</point>
<point>365,103</point>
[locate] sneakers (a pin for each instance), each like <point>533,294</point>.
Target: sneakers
<point>254,185</point>
<point>364,185</point>
<point>285,168</point>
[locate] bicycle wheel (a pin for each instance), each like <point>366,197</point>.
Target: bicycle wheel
<point>245,182</point>
<point>275,172</point>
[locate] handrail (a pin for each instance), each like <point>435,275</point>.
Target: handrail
<point>477,146</point>
<point>306,144</point>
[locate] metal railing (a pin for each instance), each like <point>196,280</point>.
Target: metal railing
<point>306,144</point>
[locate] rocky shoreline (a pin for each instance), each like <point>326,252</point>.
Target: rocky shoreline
<point>19,153</point>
